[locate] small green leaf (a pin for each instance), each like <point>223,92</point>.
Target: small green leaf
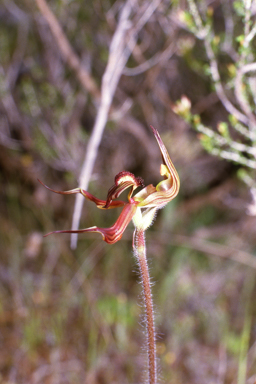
<point>223,129</point>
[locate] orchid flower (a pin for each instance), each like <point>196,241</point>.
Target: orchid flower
<point>141,207</point>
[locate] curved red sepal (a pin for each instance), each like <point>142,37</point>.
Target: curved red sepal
<point>113,234</point>
<point>100,203</point>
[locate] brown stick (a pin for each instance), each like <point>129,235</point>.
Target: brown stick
<point>140,252</point>
<point>67,52</point>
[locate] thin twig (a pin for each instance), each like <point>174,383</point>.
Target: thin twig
<point>22,39</point>
<point>218,85</point>
<point>234,156</point>
<point>240,93</point>
<point>67,52</point>
<point>251,35</point>
<point>221,141</point>
<point>159,57</point>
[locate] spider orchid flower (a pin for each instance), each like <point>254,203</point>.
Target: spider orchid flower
<point>141,207</point>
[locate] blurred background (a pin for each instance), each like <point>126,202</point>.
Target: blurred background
<point>76,315</point>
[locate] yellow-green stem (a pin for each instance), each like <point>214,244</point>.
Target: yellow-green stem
<point>140,251</point>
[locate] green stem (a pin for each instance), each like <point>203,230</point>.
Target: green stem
<point>140,252</point>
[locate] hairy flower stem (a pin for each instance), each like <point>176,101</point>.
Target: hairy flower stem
<point>140,252</point>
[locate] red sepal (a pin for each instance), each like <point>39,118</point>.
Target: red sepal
<point>113,234</point>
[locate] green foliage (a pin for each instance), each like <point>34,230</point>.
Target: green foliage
<point>239,8</point>
<point>207,143</point>
<point>234,140</point>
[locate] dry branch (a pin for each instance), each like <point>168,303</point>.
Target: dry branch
<point>67,52</point>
